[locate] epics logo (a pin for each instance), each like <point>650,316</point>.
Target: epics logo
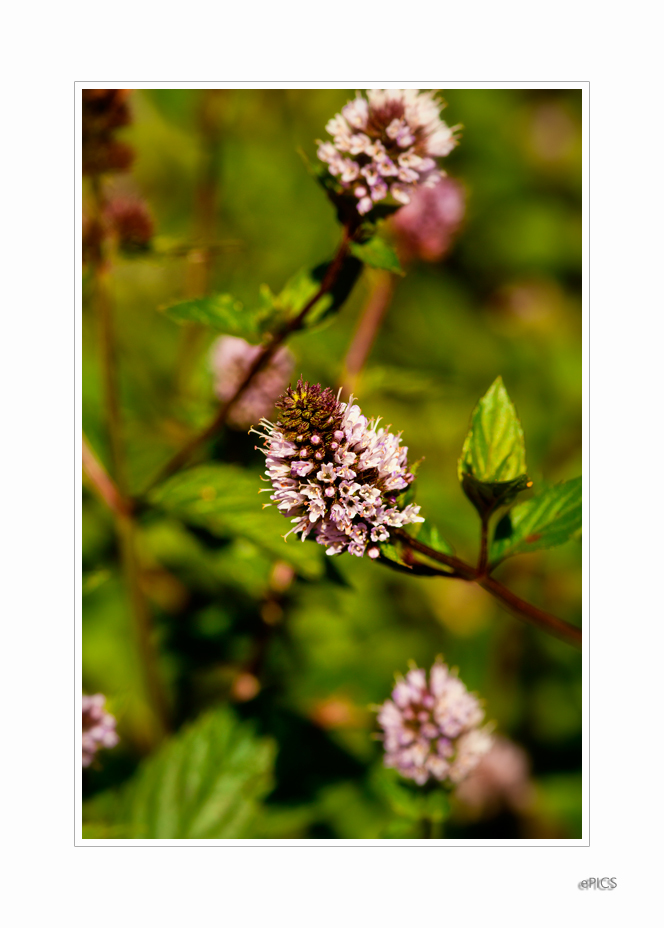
<point>607,882</point>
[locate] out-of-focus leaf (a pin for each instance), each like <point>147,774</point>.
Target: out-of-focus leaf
<point>408,800</point>
<point>377,253</point>
<point>207,782</point>
<point>223,499</point>
<point>238,564</point>
<point>548,519</point>
<point>94,579</point>
<point>304,285</point>
<point>429,535</point>
<point>492,466</point>
<point>224,313</point>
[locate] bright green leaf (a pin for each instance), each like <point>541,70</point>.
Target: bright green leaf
<point>492,466</point>
<point>548,519</point>
<point>206,782</point>
<point>223,499</point>
<point>377,253</point>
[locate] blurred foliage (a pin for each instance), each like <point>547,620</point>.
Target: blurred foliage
<point>299,643</point>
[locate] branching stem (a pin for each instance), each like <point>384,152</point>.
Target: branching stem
<point>269,350</point>
<point>523,610</point>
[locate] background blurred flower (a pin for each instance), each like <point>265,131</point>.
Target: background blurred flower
<point>431,730</point>
<point>98,727</point>
<point>387,143</point>
<point>426,227</point>
<point>231,359</point>
<point>130,219</point>
<point>501,779</point>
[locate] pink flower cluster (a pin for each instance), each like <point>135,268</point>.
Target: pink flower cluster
<point>342,487</point>
<point>98,727</point>
<point>387,143</point>
<point>231,359</point>
<point>432,730</point>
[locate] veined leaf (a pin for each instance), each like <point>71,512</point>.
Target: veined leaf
<point>223,499</point>
<point>548,519</point>
<point>206,782</point>
<point>492,466</point>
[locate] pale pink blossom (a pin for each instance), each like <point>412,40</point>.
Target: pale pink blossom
<point>431,730</point>
<point>392,139</point>
<point>98,727</point>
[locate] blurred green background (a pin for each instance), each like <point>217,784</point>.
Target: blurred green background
<point>302,658</point>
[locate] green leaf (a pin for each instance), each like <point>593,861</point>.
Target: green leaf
<point>304,285</point>
<point>548,519</point>
<point>206,782</point>
<point>429,535</point>
<point>224,313</point>
<point>377,253</point>
<point>223,499</point>
<point>492,466</point>
<point>408,800</point>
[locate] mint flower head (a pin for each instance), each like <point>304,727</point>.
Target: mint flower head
<point>387,143</point>
<point>98,727</point>
<point>431,730</point>
<point>336,475</point>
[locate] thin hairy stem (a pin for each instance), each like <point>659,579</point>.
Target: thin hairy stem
<point>276,341</point>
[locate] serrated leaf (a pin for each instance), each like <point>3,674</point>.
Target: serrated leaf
<point>548,519</point>
<point>494,449</point>
<point>207,782</point>
<point>224,499</point>
<point>377,253</point>
<point>223,313</point>
<point>492,466</point>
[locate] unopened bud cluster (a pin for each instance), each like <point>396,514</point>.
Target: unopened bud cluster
<point>335,474</point>
<point>432,729</point>
<point>386,144</point>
